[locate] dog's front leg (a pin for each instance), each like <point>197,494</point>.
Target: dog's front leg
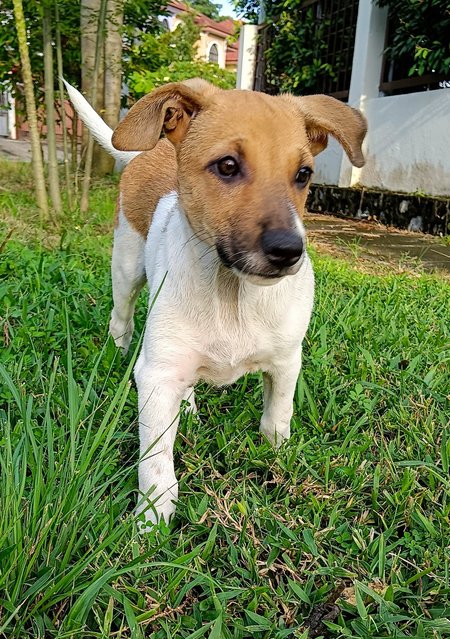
<point>160,396</point>
<point>279,388</point>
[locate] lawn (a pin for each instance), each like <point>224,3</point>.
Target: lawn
<point>344,532</point>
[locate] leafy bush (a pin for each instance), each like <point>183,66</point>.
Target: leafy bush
<point>170,56</point>
<point>295,55</point>
<point>144,82</point>
<point>420,31</point>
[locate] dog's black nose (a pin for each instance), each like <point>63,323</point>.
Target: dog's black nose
<point>282,248</point>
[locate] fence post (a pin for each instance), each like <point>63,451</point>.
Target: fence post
<point>248,38</point>
<point>366,70</point>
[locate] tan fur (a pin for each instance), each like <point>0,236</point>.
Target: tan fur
<point>165,109</point>
<point>234,158</point>
<point>270,137</point>
<point>260,201</point>
<point>144,181</point>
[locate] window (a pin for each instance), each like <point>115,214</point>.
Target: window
<point>213,55</point>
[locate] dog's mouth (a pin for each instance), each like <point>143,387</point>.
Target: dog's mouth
<point>253,264</point>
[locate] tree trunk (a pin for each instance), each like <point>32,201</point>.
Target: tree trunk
<point>53,172</point>
<point>63,111</point>
<point>90,147</point>
<point>107,101</point>
<point>36,151</point>
<point>89,17</point>
<point>74,148</point>
<point>89,12</point>
<point>113,66</point>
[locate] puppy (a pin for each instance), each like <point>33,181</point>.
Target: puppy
<point>211,217</point>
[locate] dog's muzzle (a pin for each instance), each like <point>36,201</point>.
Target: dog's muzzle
<point>278,253</point>
<point>282,248</point>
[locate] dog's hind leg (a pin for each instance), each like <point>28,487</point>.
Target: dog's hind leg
<point>128,278</point>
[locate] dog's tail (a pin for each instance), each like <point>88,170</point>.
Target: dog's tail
<point>98,127</point>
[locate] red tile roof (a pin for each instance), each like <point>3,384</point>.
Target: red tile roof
<point>177,5</point>
<point>232,53</point>
<point>224,27</point>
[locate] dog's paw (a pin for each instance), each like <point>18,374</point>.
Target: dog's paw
<point>150,513</point>
<point>276,435</point>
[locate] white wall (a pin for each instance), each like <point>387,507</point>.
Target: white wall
<point>7,114</point>
<point>327,168</point>
<point>408,143</point>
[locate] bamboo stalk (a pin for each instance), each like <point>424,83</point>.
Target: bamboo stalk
<point>53,171</point>
<point>59,64</point>
<point>36,151</point>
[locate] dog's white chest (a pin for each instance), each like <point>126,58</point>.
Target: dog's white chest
<point>220,326</point>
<point>229,354</point>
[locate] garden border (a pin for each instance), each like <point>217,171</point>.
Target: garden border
<point>411,211</point>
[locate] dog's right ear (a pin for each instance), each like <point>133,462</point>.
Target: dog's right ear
<point>169,108</point>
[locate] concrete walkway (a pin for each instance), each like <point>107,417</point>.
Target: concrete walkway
<point>377,244</point>
<point>20,150</point>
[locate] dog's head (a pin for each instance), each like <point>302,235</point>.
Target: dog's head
<point>245,162</point>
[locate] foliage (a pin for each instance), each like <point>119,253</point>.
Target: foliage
<point>155,50</point>
<point>140,21</point>
<point>207,7</point>
<point>347,523</point>
<point>296,51</point>
<point>250,10</point>
<point>142,83</point>
<point>140,16</point>
<point>169,56</point>
<point>295,56</point>
<point>10,70</point>
<point>420,32</point>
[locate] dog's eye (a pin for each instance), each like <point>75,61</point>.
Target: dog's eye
<point>303,176</point>
<point>227,167</point>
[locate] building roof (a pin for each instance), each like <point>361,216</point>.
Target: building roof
<point>232,53</point>
<point>224,28</point>
<point>221,29</point>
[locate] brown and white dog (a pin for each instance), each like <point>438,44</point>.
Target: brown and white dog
<point>211,217</point>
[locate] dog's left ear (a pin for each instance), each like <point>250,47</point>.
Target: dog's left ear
<point>169,108</point>
<point>327,116</point>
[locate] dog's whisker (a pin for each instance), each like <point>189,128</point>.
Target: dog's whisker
<point>196,236</point>
<point>209,250</point>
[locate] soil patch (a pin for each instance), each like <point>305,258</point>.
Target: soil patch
<point>377,245</point>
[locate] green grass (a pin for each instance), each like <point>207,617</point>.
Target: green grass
<point>348,523</point>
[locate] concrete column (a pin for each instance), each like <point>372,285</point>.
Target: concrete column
<point>247,56</point>
<point>366,69</point>
<point>12,130</point>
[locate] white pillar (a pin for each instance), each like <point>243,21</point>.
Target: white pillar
<point>247,56</point>
<point>12,131</point>
<point>366,69</point>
